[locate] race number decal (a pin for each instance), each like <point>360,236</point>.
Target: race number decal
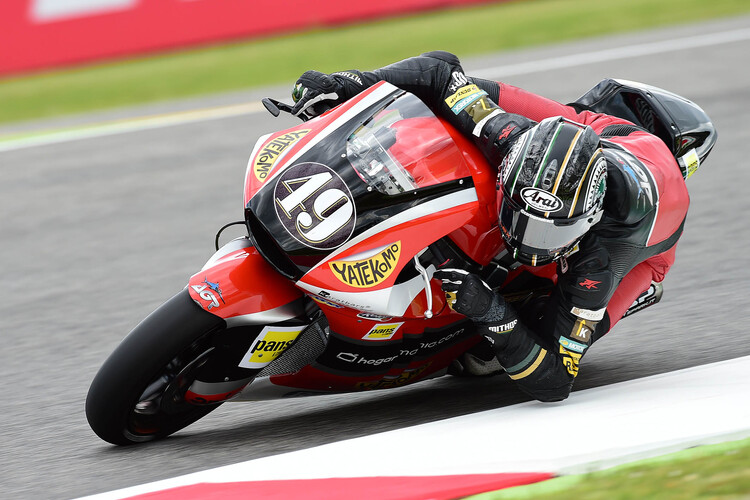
<point>315,206</point>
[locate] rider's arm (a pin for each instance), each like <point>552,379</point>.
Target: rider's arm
<point>539,349</point>
<point>437,78</point>
<point>517,100</point>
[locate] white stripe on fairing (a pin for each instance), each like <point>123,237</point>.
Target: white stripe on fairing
<point>282,313</point>
<point>613,424</point>
<point>431,207</point>
<point>376,95</point>
<point>256,148</point>
<point>395,300</point>
<point>133,125</point>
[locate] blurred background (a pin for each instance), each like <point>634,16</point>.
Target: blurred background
<point>70,56</point>
<point>125,131</point>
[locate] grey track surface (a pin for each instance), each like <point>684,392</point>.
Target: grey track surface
<point>97,233</point>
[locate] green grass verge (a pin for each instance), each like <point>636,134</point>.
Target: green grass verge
<point>719,471</point>
<point>467,31</point>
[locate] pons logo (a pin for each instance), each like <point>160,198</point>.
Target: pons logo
<point>271,152</point>
<point>384,331</point>
<point>541,200</point>
<point>269,345</point>
<point>368,272</point>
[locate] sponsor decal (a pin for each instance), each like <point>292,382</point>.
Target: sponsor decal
<point>427,348</point>
<point>506,328</point>
<point>356,358</point>
<point>458,79</point>
<point>315,206</point>
<point>208,292</point>
<point>646,299</point>
<point>383,331</point>
<point>321,298</point>
<point>374,317</point>
<point>570,360</point>
<point>506,132</point>
<point>541,200</point>
<point>351,76</point>
<point>691,162</point>
<point>588,314</point>
<point>572,345</point>
<point>270,344</point>
<point>597,185</point>
<point>391,381</point>
<point>368,272</point>
<point>273,151</point>
<point>589,284</point>
<point>464,97</point>
<point>583,330</point>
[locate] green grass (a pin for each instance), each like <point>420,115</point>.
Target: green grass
<point>281,59</point>
<point>708,472</point>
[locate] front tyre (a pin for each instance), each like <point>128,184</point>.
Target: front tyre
<point>138,393</point>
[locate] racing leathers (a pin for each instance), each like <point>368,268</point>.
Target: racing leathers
<point>540,345</point>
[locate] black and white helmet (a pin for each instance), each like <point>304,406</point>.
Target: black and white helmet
<point>553,181</point>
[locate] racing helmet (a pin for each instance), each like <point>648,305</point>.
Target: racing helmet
<point>553,181</point>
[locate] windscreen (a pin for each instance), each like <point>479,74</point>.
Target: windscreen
<point>403,147</point>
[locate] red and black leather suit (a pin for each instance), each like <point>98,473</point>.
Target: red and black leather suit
<point>645,206</point>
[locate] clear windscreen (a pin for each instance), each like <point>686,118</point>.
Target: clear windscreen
<point>402,147</point>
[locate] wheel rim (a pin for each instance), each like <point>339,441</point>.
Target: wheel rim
<point>161,406</point>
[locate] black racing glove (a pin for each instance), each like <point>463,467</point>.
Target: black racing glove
<point>316,92</point>
<point>469,295</point>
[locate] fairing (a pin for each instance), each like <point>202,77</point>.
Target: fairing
<point>685,128</point>
<point>233,286</point>
<point>353,196</point>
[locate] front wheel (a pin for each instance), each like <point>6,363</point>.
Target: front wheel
<point>138,393</point>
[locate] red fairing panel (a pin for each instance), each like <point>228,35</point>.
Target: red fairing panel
<point>237,284</point>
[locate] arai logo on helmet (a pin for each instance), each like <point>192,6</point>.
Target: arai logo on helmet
<point>541,200</point>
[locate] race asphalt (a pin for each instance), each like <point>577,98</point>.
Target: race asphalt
<point>96,233</point>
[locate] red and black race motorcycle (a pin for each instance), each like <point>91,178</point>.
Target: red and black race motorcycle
<point>348,215</point>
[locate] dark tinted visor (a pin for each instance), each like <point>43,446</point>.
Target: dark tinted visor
<point>531,234</point>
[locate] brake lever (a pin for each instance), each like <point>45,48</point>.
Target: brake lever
<point>275,107</point>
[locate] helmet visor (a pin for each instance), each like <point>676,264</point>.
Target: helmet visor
<point>534,235</point>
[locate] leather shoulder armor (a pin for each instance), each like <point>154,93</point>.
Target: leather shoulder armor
<point>632,194</point>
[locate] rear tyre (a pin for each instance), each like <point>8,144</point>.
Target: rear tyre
<point>138,393</point>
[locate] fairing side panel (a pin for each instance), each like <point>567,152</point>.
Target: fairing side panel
<point>237,284</point>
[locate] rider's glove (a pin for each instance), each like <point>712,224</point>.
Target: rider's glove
<point>469,295</point>
<point>316,92</point>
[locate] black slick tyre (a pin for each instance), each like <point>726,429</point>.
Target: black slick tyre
<point>137,394</point>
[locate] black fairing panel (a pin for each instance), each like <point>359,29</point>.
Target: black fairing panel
<point>677,121</point>
<point>285,247</point>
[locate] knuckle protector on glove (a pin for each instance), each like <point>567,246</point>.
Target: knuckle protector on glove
<point>499,133</point>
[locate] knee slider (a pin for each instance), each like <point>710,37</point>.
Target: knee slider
<point>548,382</point>
<point>549,395</point>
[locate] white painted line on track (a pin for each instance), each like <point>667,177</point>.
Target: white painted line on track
<point>637,50</point>
<point>129,125</point>
<point>167,120</point>
<point>593,429</point>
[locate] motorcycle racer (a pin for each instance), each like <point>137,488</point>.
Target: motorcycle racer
<point>592,198</point>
